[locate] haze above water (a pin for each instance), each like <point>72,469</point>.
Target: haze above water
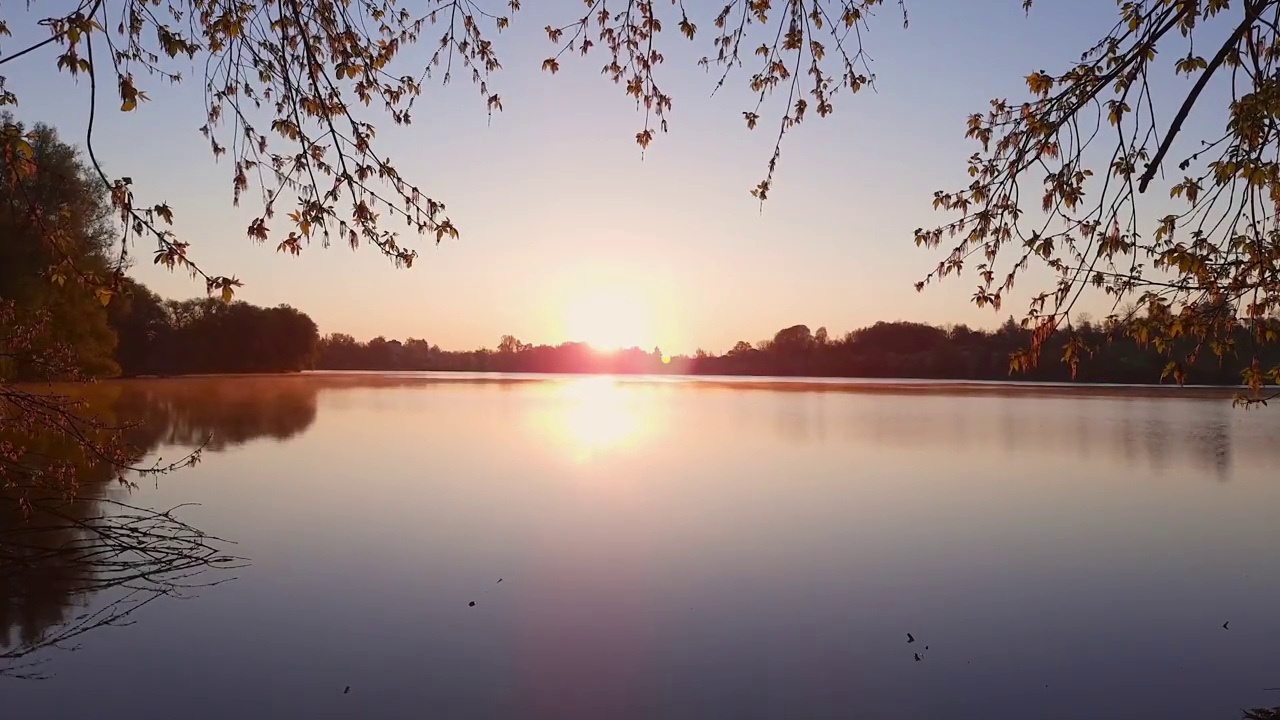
<point>684,549</point>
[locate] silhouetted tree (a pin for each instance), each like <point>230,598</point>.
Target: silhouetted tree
<point>209,336</point>
<point>796,338</point>
<point>510,344</point>
<point>144,327</point>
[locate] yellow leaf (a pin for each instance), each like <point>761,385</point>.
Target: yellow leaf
<point>104,295</point>
<point>227,293</point>
<point>128,104</point>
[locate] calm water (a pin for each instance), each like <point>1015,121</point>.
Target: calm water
<point>695,550</point>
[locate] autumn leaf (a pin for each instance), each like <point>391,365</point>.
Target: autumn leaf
<point>129,95</point>
<point>23,148</point>
<point>1040,83</point>
<point>225,284</point>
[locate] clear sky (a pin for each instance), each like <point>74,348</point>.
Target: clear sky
<point>563,223</point>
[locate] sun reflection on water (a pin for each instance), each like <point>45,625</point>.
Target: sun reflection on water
<point>591,417</point>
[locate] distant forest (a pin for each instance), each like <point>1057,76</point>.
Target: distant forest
<point>883,350</point>
<point>137,333</point>
<point>141,334</point>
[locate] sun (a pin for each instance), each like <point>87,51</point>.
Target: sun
<point>609,319</point>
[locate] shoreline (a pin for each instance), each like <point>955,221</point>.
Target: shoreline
<point>902,386</point>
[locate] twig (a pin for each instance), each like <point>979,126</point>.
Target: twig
<point>1251,14</point>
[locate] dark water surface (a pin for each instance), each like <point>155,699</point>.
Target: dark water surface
<point>694,550</point>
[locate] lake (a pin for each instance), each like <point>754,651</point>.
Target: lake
<point>671,548</point>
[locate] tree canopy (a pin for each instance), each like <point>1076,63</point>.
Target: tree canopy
<point>170,337</point>
<point>58,212</point>
<point>1056,177</point>
<point>55,221</point>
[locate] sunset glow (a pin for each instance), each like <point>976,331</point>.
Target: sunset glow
<point>609,319</point>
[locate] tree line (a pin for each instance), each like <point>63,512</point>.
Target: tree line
<point>125,328</point>
<point>1202,273</point>
<point>1107,352</point>
<point>206,335</point>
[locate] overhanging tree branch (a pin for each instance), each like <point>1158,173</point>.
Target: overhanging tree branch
<point>1252,11</point>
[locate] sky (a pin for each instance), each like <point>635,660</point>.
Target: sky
<point>569,232</point>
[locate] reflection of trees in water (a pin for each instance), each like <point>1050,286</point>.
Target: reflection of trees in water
<point>1167,435</point>
<point>1202,440</point>
<point>36,595</point>
<point>1159,432</point>
<point>69,566</point>
<point>105,558</point>
<point>1212,446</point>
<point>803,418</point>
<point>224,413</point>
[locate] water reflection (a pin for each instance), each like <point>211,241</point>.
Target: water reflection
<point>60,556</point>
<point>187,412</point>
<point>1199,433</point>
<point>591,417</point>
<point>746,550</point>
